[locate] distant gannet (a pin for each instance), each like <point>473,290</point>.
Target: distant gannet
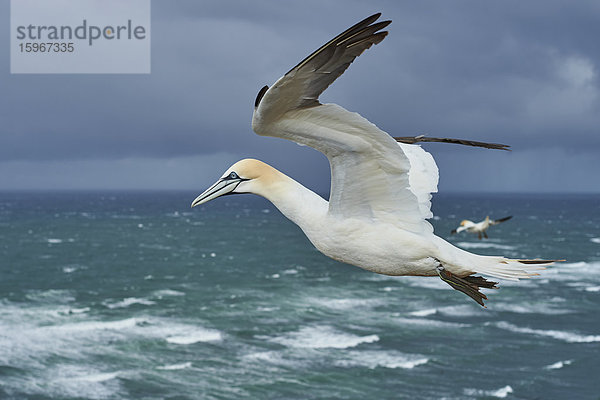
<point>380,189</point>
<point>480,227</point>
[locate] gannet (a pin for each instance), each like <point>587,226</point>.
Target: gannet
<point>480,227</point>
<point>380,198</point>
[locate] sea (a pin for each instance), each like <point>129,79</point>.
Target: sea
<point>133,295</point>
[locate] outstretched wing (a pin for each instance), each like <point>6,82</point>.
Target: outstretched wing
<point>372,176</point>
<point>497,221</point>
<point>301,86</point>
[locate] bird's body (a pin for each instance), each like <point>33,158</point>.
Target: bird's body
<point>380,198</point>
<point>480,228</point>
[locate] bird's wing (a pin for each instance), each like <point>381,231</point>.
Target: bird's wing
<point>369,170</point>
<point>497,221</point>
<point>371,175</point>
<point>301,86</point>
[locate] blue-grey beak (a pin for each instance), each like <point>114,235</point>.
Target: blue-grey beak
<point>221,188</point>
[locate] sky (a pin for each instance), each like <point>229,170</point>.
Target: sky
<point>522,73</point>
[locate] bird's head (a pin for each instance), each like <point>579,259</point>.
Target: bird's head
<point>464,222</point>
<point>245,176</point>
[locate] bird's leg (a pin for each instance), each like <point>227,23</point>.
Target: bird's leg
<point>469,285</point>
<point>479,235</point>
<point>485,235</point>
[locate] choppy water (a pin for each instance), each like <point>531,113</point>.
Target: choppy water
<point>135,296</point>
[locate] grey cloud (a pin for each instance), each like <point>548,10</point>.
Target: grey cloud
<point>521,73</point>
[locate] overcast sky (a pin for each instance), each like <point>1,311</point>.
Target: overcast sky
<point>523,73</point>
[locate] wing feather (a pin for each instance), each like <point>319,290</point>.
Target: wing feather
<point>371,175</point>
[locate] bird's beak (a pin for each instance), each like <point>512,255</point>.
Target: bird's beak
<point>221,188</point>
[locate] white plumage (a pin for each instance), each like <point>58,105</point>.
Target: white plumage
<point>376,217</point>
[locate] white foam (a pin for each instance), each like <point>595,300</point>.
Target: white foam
<point>323,336</point>
<point>32,336</point>
<point>126,302</point>
<point>93,326</point>
<point>528,308</point>
<point>271,357</point>
<point>559,364</point>
<point>195,335</point>
<point>424,313</point>
<point>559,335</point>
<point>484,245</point>
<point>167,292</point>
<point>592,289</point>
<point>344,304</point>
<point>174,367</point>
<point>54,240</point>
<point>101,377</point>
<point>75,381</point>
<point>595,240</point>
<point>578,271</point>
<point>51,296</point>
<point>267,309</point>
<point>290,271</point>
<point>463,310</point>
<point>500,393</point>
<point>386,359</point>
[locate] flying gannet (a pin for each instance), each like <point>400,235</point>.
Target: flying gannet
<point>376,216</point>
<point>480,227</point>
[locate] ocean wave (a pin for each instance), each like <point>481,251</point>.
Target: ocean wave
<point>167,292</point>
<point>429,323</point>
<point>54,240</point>
<point>174,367</point>
<point>463,310</point>
<point>500,393</point>
<point>78,382</point>
<point>377,358</point>
<point>527,308</point>
<point>320,337</point>
<point>34,335</point>
<point>569,337</point>
<point>51,296</point>
<point>344,304</point>
<point>595,240</point>
<point>426,282</point>
<point>99,377</point>
<point>290,271</point>
<point>272,357</point>
<point>577,271</point>
<point>129,301</point>
<point>558,364</point>
<point>70,268</point>
<point>424,313</point>
<point>194,335</point>
<point>484,245</point>
<point>93,326</point>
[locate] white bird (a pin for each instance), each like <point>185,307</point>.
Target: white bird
<point>376,216</point>
<point>480,227</point>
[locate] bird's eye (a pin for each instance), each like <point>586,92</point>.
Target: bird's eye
<point>233,175</point>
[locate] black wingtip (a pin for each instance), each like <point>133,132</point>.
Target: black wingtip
<point>504,219</point>
<point>423,138</point>
<point>260,95</point>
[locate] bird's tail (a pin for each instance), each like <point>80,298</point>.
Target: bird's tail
<point>511,269</point>
<point>498,267</point>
